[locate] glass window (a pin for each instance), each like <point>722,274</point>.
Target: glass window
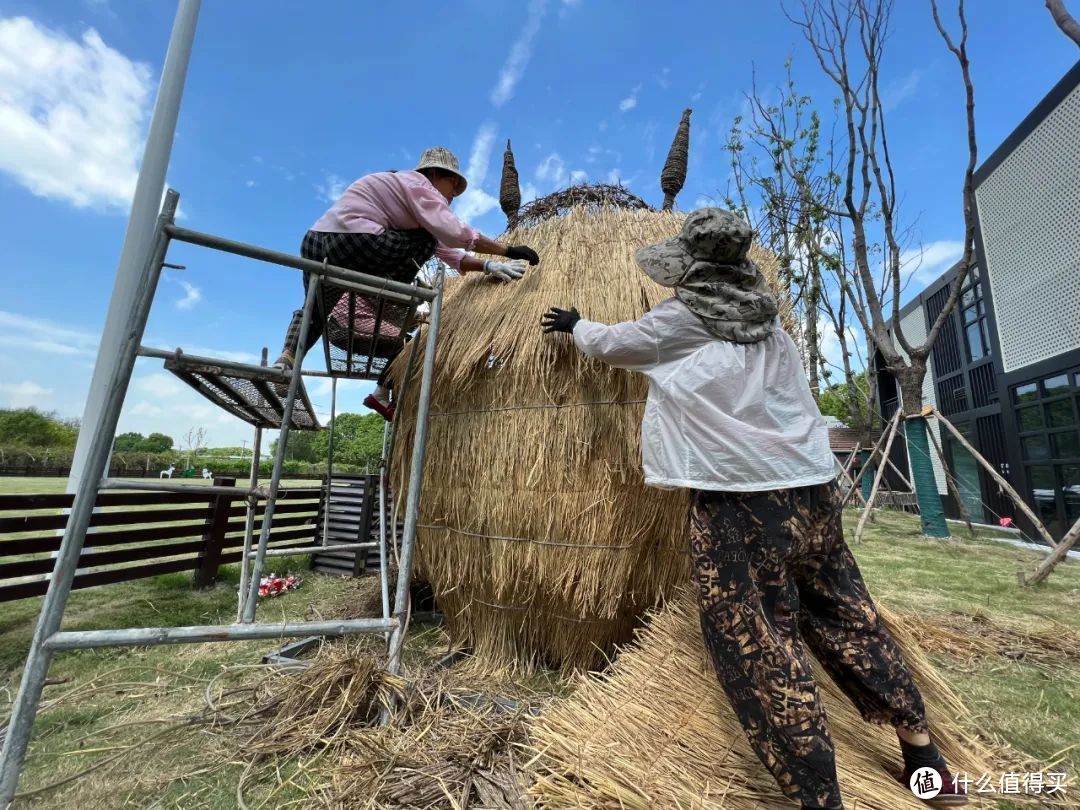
<point>1044,496</point>
<point>1057,385</point>
<point>1035,447</point>
<point>1030,418</point>
<point>1060,413</point>
<point>1026,393</point>
<point>968,298</point>
<point>1065,445</point>
<point>1070,480</point>
<point>976,344</point>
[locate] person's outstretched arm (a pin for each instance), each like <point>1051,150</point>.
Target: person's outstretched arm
<point>631,345</point>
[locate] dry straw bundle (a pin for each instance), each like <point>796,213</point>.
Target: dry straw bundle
<point>656,730</point>
<point>537,533</point>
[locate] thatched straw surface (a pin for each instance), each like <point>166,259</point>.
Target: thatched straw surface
<point>656,731</point>
<point>538,535</point>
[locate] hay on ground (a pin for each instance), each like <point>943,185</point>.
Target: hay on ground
<point>657,731</point>
<point>537,533</point>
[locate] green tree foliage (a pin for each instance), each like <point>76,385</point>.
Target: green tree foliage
<point>851,403</point>
<point>357,439</point>
<point>137,443</point>
<point>29,427</point>
<point>157,443</point>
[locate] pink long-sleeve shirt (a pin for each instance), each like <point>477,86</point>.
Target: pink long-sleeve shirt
<point>399,201</point>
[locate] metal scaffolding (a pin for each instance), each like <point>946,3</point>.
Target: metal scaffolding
<point>247,392</point>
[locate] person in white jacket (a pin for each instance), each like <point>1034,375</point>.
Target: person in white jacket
<point>730,417</point>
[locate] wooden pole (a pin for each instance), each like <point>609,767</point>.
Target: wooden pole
<point>1056,556</point>
<point>903,478</point>
<point>893,426</point>
<point>951,483</point>
<point>1021,504</point>
<point>855,481</point>
<point>847,466</point>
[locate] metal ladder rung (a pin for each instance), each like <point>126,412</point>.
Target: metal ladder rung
<point>288,552</point>
<point>147,636</point>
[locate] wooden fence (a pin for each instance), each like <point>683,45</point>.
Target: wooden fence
<point>141,534</point>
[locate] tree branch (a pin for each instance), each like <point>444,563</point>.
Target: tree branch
<point>1065,21</point>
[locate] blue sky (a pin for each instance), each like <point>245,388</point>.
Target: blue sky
<point>287,102</point>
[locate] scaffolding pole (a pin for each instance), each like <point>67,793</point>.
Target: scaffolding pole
<point>330,461</point>
<point>102,431</point>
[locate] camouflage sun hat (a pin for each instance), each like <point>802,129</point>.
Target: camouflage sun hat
<point>439,157</point>
<point>710,235</point>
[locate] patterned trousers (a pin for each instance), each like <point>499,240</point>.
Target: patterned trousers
<point>774,578</point>
<point>396,255</point>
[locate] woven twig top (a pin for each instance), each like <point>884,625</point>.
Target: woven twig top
<point>509,191</point>
<point>674,173</point>
<point>595,197</point>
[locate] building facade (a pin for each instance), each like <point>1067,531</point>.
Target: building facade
<point>1006,367</point>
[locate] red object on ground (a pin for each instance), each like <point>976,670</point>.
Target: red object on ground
<point>1007,522</point>
<point>274,585</point>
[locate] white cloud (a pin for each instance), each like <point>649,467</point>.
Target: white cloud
<point>192,296</point>
<point>614,177</point>
<point>831,352</point>
<point>250,183</point>
<point>602,126</point>
<point>897,91</point>
<point>476,202</point>
<point>926,263</point>
<point>577,176</point>
<point>72,114</point>
<point>39,334</point>
<point>663,78</point>
<point>630,101</point>
<point>518,59</point>
<point>528,193</point>
<point>330,188</point>
<point>23,395</point>
<point>552,170</point>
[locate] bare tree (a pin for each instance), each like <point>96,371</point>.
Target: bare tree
<point>859,199</point>
<point>194,442</point>
<point>1065,21</point>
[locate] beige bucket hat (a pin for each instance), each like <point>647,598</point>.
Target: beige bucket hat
<point>439,157</point>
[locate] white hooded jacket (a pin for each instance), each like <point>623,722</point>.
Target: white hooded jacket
<point>735,417</point>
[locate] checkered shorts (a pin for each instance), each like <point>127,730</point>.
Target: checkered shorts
<point>396,255</point>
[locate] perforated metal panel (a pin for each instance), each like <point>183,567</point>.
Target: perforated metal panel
<point>914,326</point>
<point>1030,219</point>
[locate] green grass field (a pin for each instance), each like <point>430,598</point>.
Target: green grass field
<point>109,702</point>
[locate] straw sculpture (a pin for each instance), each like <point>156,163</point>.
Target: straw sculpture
<point>537,533</point>
<point>673,174</point>
<point>509,190</point>
<point>656,730</point>
<point>589,197</point>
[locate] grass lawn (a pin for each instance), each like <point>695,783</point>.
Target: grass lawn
<point>111,701</point>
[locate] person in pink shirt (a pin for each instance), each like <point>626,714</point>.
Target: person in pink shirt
<point>388,224</point>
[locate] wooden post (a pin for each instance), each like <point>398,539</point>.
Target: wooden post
<point>214,538</point>
<point>903,478</point>
<point>855,481</point>
<point>844,471</point>
<point>1021,504</point>
<point>951,482</point>
<point>1057,555</point>
<point>893,426</point>
<point>371,497</point>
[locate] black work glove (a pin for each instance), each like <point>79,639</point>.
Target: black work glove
<point>560,320</point>
<point>522,252</point>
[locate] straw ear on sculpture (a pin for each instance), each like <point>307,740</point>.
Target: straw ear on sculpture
<point>674,173</point>
<point>509,192</point>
